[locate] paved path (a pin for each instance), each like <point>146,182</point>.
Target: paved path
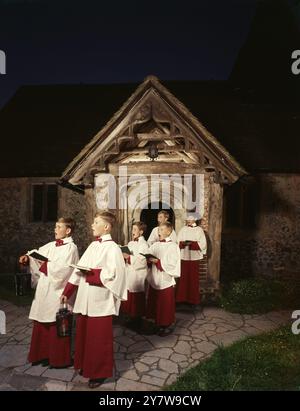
<point>142,362</point>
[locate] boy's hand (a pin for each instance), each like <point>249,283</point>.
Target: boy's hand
<point>126,256</point>
<point>24,260</point>
<point>63,299</point>
<point>153,260</point>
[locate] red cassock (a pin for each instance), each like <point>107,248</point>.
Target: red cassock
<point>94,339</point>
<point>94,346</point>
<point>187,288</point>
<point>160,306</point>
<point>135,304</point>
<point>161,279</point>
<point>46,345</point>
<point>136,273</point>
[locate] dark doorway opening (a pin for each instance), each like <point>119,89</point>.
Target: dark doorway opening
<point>149,215</point>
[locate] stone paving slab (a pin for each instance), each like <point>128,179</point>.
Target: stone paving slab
<point>13,355</point>
<point>66,374</point>
<point>142,362</point>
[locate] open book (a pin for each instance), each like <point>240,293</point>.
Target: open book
<point>125,249</point>
<point>37,256</point>
<point>80,267</point>
<point>148,255</point>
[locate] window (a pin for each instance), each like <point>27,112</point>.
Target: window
<point>44,202</point>
<point>241,205</point>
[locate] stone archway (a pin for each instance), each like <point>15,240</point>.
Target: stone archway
<point>136,189</point>
<point>133,213</point>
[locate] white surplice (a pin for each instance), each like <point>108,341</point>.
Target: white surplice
<point>97,301</point>
<point>192,234</point>
<point>136,271</point>
<point>49,288</point>
<point>169,255</point>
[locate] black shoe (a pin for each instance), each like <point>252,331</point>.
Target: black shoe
<point>96,382</point>
<point>134,324</point>
<point>43,363</point>
<point>148,328</point>
<point>165,331</point>
<point>188,307</point>
<point>62,366</point>
<point>199,308</point>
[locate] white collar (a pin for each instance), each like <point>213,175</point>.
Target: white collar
<point>105,237</point>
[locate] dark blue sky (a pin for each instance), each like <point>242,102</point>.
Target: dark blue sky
<point>119,41</point>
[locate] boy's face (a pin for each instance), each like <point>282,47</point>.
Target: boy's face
<point>163,232</point>
<point>190,222</point>
<point>61,231</point>
<point>100,227</point>
<point>161,218</point>
<point>136,232</point>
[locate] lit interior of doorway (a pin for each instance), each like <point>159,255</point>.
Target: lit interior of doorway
<point>149,215</point>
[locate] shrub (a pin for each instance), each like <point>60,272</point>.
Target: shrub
<point>252,296</point>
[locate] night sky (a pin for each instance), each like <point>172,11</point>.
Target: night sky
<point>55,42</point>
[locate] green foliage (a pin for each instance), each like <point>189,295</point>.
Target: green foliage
<point>254,296</point>
<point>267,362</point>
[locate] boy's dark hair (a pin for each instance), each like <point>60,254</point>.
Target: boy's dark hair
<point>69,222</point>
<point>141,225</point>
<point>107,216</point>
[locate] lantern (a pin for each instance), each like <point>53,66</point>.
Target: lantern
<point>64,320</point>
<point>153,152</point>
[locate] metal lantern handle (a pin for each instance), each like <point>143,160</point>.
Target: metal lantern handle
<point>64,305</point>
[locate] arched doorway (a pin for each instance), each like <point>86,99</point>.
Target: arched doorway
<point>149,215</point>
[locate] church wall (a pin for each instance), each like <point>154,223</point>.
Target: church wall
<point>18,234</point>
<point>273,247</point>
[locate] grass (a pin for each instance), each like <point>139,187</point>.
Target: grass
<point>270,361</point>
<point>8,291</point>
<point>255,296</point>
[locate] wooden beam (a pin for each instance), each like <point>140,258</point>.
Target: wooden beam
<point>158,167</point>
<point>155,137</point>
<point>166,149</point>
<point>125,138</point>
<point>215,214</point>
